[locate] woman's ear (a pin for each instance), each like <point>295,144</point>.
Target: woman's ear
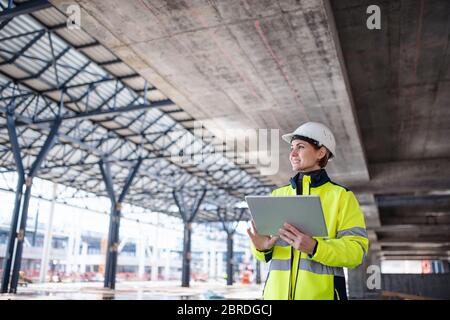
<point>322,153</point>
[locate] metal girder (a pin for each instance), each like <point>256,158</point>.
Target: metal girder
<point>23,219</point>
<point>114,224</point>
<point>230,229</point>
<point>109,62</point>
<point>209,182</point>
<point>4,23</point>
<point>63,137</point>
<point>129,180</point>
<point>94,43</point>
<point>112,97</point>
<point>230,261</point>
<point>53,62</point>
<point>15,242</point>
<point>106,174</point>
<point>84,84</point>
<point>47,146</point>
<point>107,178</point>
<point>27,7</point>
<point>76,73</point>
<point>18,199</point>
<point>94,113</point>
<point>13,138</point>
<point>27,46</point>
<point>83,146</point>
<point>25,95</point>
<point>159,137</point>
<point>188,216</point>
<point>47,66</point>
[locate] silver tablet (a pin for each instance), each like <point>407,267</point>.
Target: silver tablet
<point>303,212</point>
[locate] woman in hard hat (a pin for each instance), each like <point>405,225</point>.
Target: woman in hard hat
<point>304,267</point>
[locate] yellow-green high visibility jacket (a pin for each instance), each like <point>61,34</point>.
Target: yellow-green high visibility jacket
<point>296,275</point>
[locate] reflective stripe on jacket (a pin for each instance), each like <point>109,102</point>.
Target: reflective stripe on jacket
<point>296,275</point>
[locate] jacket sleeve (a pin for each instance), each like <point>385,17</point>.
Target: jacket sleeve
<point>351,244</point>
<point>264,256</point>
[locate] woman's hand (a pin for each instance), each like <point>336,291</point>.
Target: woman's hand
<point>261,242</point>
<point>297,239</point>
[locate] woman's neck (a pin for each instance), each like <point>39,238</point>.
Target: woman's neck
<point>310,170</point>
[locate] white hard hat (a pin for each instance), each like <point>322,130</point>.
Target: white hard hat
<point>316,131</point>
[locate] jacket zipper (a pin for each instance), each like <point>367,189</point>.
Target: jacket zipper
<point>299,254</point>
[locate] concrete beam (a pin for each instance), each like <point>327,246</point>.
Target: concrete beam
<point>414,252</point>
<point>409,237</point>
<point>416,244</point>
<point>431,200</point>
<point>428,229</point>
<point>406,177</point>
<point>370,209</point>
<point>428,217</point>
<point>414,257</point>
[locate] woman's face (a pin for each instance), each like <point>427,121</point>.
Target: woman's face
<point>304,157</point>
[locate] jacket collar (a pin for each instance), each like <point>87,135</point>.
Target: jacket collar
<point>318,178</point>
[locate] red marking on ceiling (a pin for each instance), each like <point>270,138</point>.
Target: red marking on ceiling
<point>280,65</point>
<point>225,53</point>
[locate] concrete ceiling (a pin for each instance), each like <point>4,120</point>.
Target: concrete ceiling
<point>399,78</point>
<point>239,65</point>
<point>275,64</point>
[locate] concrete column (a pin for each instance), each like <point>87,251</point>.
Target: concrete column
<point>48,238</point>
<point>77,243</point>
<point>205,261</point>
<point>212,263</point>
<point>357,280</point>
<point>167,265</point>
<point>84,252</point>
<point>155,260</point>
<point>220,265</point>
<point>155,264</point>
<point>446,266</point>
<point>103,249</point>
<point>69,252</point>
<point>141,256</point>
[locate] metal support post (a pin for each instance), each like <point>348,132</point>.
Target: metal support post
<point>13,255</point>
<point>230,261</point>
<point>188,216</point>
<point>185,274</point>
<point>230,228</point>
<point>114,222</point>
<point>49,142</point>
<point>17,202</point>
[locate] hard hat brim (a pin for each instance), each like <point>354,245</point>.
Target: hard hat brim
<point>287,137</point>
